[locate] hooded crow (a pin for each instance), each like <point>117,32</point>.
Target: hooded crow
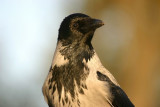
<point>77,77</point>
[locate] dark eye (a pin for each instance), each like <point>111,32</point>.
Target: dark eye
<point>75,25</point>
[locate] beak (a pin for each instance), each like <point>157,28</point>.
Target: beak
<point>90,24</point>
<point>96,23</point>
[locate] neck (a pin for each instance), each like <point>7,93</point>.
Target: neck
<point>68,67</point>
<point>76,46</point>
<point>76,50</point>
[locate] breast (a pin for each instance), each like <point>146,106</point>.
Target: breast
<point>96,94</point>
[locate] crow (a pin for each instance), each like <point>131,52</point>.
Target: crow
<point>77,77</point>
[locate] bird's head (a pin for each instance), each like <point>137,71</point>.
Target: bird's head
<point>78,28</point>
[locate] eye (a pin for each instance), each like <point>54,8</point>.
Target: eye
<point>75,25</point>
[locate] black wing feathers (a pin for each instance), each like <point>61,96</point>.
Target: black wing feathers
<point>119,97</point>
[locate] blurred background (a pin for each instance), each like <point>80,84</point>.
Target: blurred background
<point>128,45</point>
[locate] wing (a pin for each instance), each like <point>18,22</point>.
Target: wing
<point>119,97</point>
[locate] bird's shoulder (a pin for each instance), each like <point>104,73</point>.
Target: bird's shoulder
<point>118,96</point>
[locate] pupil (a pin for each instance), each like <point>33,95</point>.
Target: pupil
<point>75,25</point>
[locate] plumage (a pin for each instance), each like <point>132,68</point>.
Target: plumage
<point>77,77</point>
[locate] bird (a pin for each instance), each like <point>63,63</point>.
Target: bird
<point>77,77</point>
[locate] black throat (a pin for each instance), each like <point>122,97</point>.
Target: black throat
<point>75,71</point>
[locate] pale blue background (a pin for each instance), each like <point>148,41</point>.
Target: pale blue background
<point>28,33</point>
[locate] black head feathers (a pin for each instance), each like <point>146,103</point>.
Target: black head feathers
<point>77,26</point>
